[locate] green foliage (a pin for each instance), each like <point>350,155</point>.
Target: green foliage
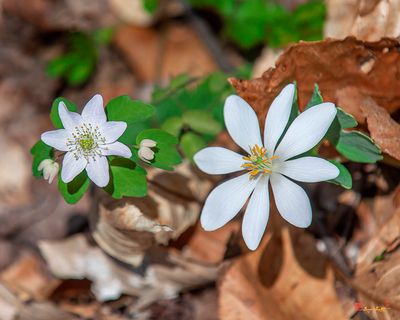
<point>344,178</point>
<point>150,5</point>
<point>249,23</point>
<point>195,106</point>
<point>191,143</point>
<point>134,112</point>
<point>353,145</point>
<point>358,147</point>
<point>54,116</point>
<point>40,151</point>
<point>127,179</point>
<point>79,62</point>
<point>73,191</point>
<point>165,153</point>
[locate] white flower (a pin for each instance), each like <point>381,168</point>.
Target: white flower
<point>268,162</point>
<point>87,140</point>
<point>50,169</point>
<point>145,153</point>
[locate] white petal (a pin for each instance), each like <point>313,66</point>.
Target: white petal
<point>291,201</point>
<point>116,149</point>
<point>148,143</point>
<point>256,216</point>
<point>93,112</point>
<point>242,123</point>
<point>146,154</point>
<point>69,119</point>
<point>71,167</point>
<point>278,117</point>
<point>112,130</point>
<point>308,169</point>
<point>306,130</point>
<point>217,160</point>
<point>56,139</point>
<point>225,201</point>
<point>98,171</point>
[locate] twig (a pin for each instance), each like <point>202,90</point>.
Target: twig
<point>208,38</point>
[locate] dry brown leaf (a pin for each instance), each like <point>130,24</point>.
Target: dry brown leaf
<point>210,247</point>
<point>379,280</point>
<point>271,284</point>
<point>317,62</point>
<point>161,56</point>
<point>368,20</point>
<point>74,258</point>
<point>125,230</point>
<point>28,279</point>
<point>383,129</point>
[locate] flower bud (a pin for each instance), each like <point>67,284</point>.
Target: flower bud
<point>148,143</point>
<point>146,154</point>
<point>50,169</point>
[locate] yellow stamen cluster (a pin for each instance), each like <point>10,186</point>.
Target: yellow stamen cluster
<point>258,162</point>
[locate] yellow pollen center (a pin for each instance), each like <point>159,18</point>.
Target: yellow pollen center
<point>258,162</point>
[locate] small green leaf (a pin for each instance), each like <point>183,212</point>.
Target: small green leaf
<point>54,116</point>
<point>380,256</point>
<point>166,155</point>
<point>346,120</point>
<point>201,121</point>
<point>344,178</point>
<point>358,147</point>
<point>191,143</point>
<point>103,35</point>
<point>123,108</point>
<point>150,5</point>
<point>173,126</point>
<point>316,98</point>
<point>127,179</point>
<point>40,151</point>
<point>73,191</point>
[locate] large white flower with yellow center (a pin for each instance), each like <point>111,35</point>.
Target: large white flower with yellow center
<point>266,162</point>
<point>87,140</point>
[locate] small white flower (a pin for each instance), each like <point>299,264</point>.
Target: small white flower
<point>50,169</point>
<point>268,162</point>
<point>145,153</point>
<point>87,140</point>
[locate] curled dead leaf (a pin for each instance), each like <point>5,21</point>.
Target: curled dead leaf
<point>74,258</point>
<point>383,129</point>
<point>126,229</point>
<point>309,63</point>
<point>270,283</point>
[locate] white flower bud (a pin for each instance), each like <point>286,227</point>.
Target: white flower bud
<point>50,169</point>
<point>148,143</point>
<point>146,154</point>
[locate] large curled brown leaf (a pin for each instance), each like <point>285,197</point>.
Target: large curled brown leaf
<point>270,283</point>
<point>384,130</point>
<point>343,69</point>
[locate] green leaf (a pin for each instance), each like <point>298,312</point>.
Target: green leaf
<point>173,126</point>
<point>316,98</point>
<point>346,120</point>
<point>191,143</point>
<point>344,178</point>
<point>201,121</point>
<point>127,179</point>
<point>123,108</point>
<point>40,151</point>
<point>150,5</point>
<point>103,35</point>
<point>166,155</point>
<point>73,191</point>
<point>54,116</point>
<point>358,147</point>
<point>135,113</point>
